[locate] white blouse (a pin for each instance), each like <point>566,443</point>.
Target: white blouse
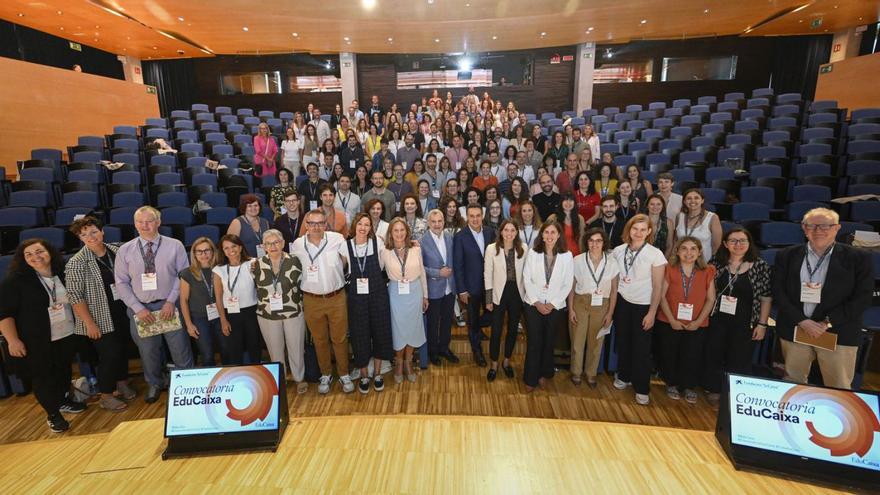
<point>636,284</point>
<point>605,272</point>
<point>242,277</point>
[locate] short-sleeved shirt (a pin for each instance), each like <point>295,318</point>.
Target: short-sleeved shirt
<point>605,272</point>
<point>323,260</point>
<point>239,276</point>
<point>199,295</point>
<point>635,284</point>
<point>702,279</point>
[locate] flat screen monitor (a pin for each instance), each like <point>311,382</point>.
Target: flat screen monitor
<point>816,433</point>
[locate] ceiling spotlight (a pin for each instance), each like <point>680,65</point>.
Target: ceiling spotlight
<point>608,53</point>
<point>390,39</point>
<point>368,4</point>
<point>706,11</point>
<point>96,39</point>
<point>97,27</point>
<point>430,2</point>
<point>465,64</point>
<point>494,37</point>
<point>590,28</point>
<point>543,33</point>
<point>436,40</point>
<point>295,35</point>
<point>643,21</point>
<point>244,28</point>
<point>59,12</point>
<point>155,48</point>
<point>467,5</point>
<point>180,19</point>
<point>62,28</point>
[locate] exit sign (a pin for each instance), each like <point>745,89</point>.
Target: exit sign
<point>151,90</point>
<point>76,46</point>
<point>825,69</point>
<point>815,23</point>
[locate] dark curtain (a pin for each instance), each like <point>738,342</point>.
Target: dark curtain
<point>796,63</point>
<point>30,45</point>
<point>174,81</point>
<point>869,42</point>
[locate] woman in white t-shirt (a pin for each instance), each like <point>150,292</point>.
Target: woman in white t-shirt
<point>642,267</point>
<point>591,303</point>
<point>698,222</point>
<point>291,152</point>
<point>236,300</point>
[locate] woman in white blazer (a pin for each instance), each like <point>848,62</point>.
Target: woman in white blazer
<point>548,275</point>
<point>502,273</point>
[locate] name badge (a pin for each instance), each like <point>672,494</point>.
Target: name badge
<point>558,163</point>
<point>352,164</point>
<point>261,251</point>
<point>312,274</point>
<point>685,312</point>
<point>404,165</point>
<point>113,292</point>
<point>596,299</point>
<point>275,302</point>
<point>363,286</point>
<point>57,314</point>
<point>728,305</point>
<point>436,193</point>
<point>397,206</point>
<point>232,305</point>
<point>313,205</point>
<point>545,289</point>
<point>403,287</point>
<point>213,314</point>
<point>811,293</point>
<point>149,281</point>
<point>283,210</point>
<point>457,165</point>
<point>290,245</point>
<point>626,280</point>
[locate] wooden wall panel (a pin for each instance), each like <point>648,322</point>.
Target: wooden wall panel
<point>46,107</point>
<point>552,91</point>
<point>852,82</point>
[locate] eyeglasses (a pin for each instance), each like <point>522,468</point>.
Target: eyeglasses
<point>824,227</point>
<point>273,243</point>
<point>291,200</point>
<point>315,224</point>
<point>204,251</point>
<point>38,252</point>
<point>738,242</point>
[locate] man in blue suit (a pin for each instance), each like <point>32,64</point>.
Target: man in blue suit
<point>437,256</point>
<point>468,250</point>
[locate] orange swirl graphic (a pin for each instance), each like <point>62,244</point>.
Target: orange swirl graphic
<point>858,420</point>
<point>262,386</point>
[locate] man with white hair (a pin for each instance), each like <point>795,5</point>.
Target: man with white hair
<point>821,289</point>
<point>145,270</point>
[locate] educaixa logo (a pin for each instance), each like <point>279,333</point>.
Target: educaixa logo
<point>252,384</point>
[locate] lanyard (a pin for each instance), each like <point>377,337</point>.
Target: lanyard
<point>402,262</point>
<point>604,185</point>
<point>321,250</point>
<point>294,226</point>
<point>687,220</point>
<point>229,278</point>
<point>625,210</point>
<point>50,289</point>
<point>528,237</point>
<point>313,189</point>
<point>731,279</point>
<point>610,233</point>
<point>258,232</point>
<point>344,201</point>
<point>210,286</point>
<point>687,282</point>
<point>276,276</point>
<point>548,268</point>
<point>361,258</point>
<point>155,252</point>
<point>812,271</point>
<point>105,265</point>
<point>604,263</point>
<point>631,260</point>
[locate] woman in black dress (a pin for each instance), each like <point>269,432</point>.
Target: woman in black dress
<point>369,312</point>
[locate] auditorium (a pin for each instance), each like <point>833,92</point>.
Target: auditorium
<point>440,246</point>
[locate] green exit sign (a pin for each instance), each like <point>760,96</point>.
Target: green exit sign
<point>825,69</point>
<point>76,46</point>
<point>815,23</point>
<point>151,90</point>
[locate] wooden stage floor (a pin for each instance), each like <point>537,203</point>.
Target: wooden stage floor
<point>396,454</point>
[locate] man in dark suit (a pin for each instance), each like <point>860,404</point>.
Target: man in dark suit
<point>821,287</point>
<point>437,256</point>
<point>469,248</point>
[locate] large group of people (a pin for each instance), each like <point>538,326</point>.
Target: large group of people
<point>389,228</point>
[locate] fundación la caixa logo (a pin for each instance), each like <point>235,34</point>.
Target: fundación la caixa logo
<point>857,422</point>
<point>255,386</point>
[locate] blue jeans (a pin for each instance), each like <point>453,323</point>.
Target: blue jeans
<point>150,349</point>
<point>209,334</point>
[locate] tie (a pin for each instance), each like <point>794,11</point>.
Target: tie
<point>150,259</point>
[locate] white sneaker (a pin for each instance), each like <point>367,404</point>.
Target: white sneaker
<point>673,393</point>
<point>386,367</point>
<point>347,384</point>
<point>643,399</point>
<point>620,384</point>
<point>355,374</point>
<point>324,384</point>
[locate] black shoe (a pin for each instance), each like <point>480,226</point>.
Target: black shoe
<point>451,357</point>
<point>480,360</point>
<point>153,394</point>
<point>508,371</point>
<point>72,407</point>
<point>491,375</point>
<point>436,361</point>
<point>57,423</point>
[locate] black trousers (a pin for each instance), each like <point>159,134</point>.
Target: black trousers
<point>112,359</point>
<point>681,354</point>
<point>52,384</point>
<point>511,304</point>
<point>541,331</point>
<point>729,348</point>
<point>633,345</point>
<point>475,309</point>
<point>439,321</point>
<point>245,336</point>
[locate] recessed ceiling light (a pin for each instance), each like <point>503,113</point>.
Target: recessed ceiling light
<point>494,37</point>
<point>436,40</point>
<point>62,28</point>
<point>368,4</point>
<point>346,38</point>
<point>155,48</point>
<point>59,12</point>
<point>543,33</point>
<point>467,5</point>
<point>643,21</point>
<point>706,11</point>
<point>20,14</point>
<point>430,2</point>
<point>295,35</point>
<point>835,6</point>
<point>801,20</point>
<point>390,39</point>
<point>98,27</point>
<point>128,37</point>
<point>244,28</point>
<point>590,28</point>
<point>96,39</point>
